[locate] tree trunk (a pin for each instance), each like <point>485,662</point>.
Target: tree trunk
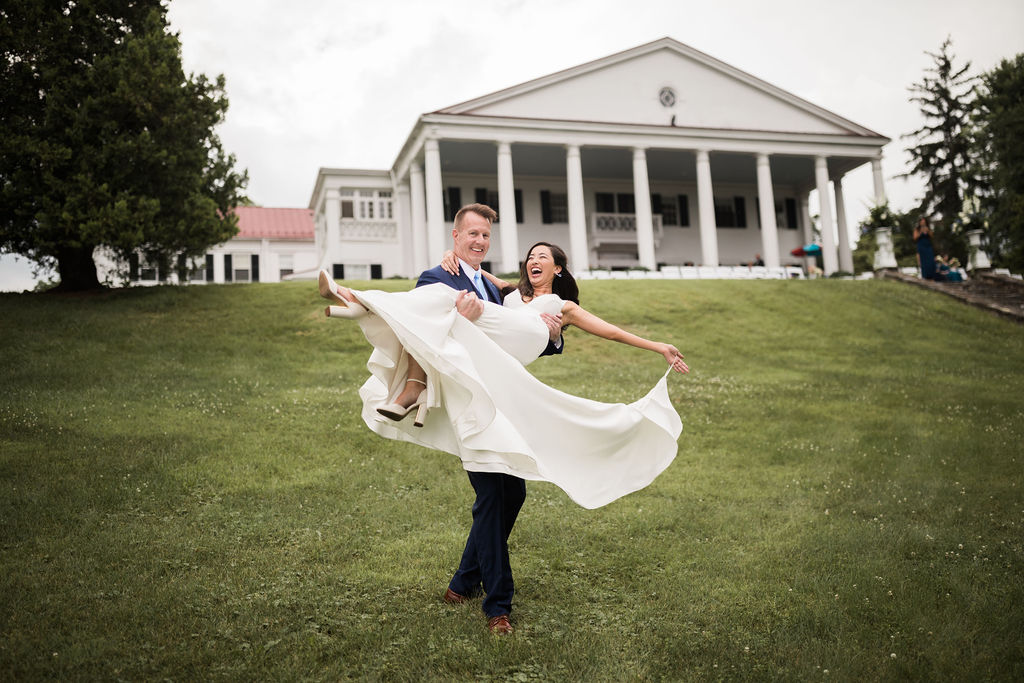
<point>77,269</point>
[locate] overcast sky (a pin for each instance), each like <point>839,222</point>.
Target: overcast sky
<point>340,83</point>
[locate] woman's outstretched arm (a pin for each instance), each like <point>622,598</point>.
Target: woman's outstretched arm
<point>573,314</point>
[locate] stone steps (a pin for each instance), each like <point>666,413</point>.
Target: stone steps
<point>996,293</point>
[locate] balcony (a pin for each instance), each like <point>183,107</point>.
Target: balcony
<point>354,230</point>
<point>619,228</point>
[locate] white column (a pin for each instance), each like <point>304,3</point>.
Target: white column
<point>828,237</point>
<point>218,266</point>
<point>507,210</point>
<point>403,218</point>
<point>436,237</point>
<point>806,227</point>
<point>706,210</point>
<point>332,230</point>
<point>644,215</point>
<point>845,254</point>
<point>418,202</point>
<point>269,271</point>
<point>579,250</point>
<point>876,174</point>
<point>766,202</point>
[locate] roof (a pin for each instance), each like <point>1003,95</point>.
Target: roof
<point>492,103</point>
<point>258,222</point>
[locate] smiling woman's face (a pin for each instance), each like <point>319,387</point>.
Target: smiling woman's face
<point>540,266</point>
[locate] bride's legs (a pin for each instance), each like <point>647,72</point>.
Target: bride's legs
<point>415,381</point>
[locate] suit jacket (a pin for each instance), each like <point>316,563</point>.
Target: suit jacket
<point>463,281</point>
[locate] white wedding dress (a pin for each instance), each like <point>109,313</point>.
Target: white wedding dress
<point>486,408</point>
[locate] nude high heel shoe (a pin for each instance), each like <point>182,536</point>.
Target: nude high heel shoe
<point>397,412</point>
<point>329,289</point>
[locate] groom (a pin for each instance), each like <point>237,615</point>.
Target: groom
<point>499,497</point>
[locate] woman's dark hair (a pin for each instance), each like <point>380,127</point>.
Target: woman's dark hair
<point>564,284</point>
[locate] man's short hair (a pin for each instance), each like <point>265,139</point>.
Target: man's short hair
<point>479,209</point>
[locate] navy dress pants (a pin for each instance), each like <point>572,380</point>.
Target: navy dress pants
<point>485,559</point>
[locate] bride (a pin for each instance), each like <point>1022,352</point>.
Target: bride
<point>477,400</point>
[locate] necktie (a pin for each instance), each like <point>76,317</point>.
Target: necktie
<point>479,286</point>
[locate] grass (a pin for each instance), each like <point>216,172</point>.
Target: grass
<point>187,492</point>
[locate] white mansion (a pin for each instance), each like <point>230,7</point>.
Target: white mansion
<point>658,155</point>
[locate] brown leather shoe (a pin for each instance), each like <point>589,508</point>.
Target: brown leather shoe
<point>453,598</point>
<point>499,625</point>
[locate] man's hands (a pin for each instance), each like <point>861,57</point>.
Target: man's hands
<point>469,305</point>
<point>554,323</point>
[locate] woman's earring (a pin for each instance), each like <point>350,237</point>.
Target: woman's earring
<point>558,274</point>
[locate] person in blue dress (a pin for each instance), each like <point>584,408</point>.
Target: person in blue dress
<point>925,250</point>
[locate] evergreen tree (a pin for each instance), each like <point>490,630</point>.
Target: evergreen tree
<point>104,141</point>
<point>943,154</point>
<point>1001,118</point>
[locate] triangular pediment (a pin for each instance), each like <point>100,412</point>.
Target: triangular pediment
<point>661,83</point>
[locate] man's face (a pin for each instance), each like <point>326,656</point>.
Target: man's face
<point>472,239</point>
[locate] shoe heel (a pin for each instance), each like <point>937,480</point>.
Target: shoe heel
<point>421,413</point>
<point>353,310</point>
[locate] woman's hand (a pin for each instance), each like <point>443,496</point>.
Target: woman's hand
<point>450,263</point>
<point>674,358</point>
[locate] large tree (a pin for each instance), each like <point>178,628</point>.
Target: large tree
<point>1001,119</point>
<point>944,154</point>
<point>104,141</point>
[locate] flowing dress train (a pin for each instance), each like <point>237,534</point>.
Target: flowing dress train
<point>486,408</point>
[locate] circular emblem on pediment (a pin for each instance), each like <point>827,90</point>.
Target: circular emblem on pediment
<point>667,97</point>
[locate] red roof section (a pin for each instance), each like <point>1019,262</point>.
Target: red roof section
<point>257,222</point>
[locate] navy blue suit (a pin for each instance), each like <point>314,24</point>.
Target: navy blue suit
<point>499,498</point>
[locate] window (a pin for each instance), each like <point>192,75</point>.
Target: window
<point>604,202</point>
<point>286,264</point>
<point>347,205</point>
<point>730,212</point>
<point>482,195</point>
<point>666,206</point>
<point>554,207</point>
<point>240,272</point>
<point>384,204</point>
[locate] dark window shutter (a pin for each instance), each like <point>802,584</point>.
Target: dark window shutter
<point>161,273</point>
<point>255,268</point>
<point>684,210</point>
<point>626,202</point>
<point>791,213</point>
<point>545,206</point>
<point>486,265</point>
<point>133,267</point>
<point>229,274</point>
<point>480,195</point>
<point>338,271</point>
<point>182,268</point>
<point>209,267</point>
<point>454,203</point>
<point>518,194</point>
<point>605,202</point>
<point>655,203</point>
<point>376,271</point>
<point>741,211</point>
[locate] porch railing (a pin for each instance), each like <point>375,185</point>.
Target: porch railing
<point>619,228</point>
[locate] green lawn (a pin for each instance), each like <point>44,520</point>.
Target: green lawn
<point>187,492</point>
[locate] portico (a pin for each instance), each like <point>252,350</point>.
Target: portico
<point>639,180</point>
